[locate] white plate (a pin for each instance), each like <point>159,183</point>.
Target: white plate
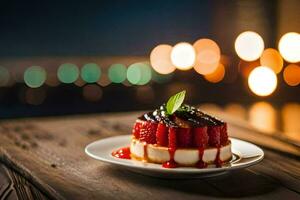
<point>245,155</point>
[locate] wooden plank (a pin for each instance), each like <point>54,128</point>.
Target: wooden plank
<point>49,153</point>
<point>14,186</point>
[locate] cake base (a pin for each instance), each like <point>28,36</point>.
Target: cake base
<point>184,157</point>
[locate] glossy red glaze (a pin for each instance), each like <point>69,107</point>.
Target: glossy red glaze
<point>218,161</point>
<point>123,153</point>
<point>201,164</point>
<point>170,164</point>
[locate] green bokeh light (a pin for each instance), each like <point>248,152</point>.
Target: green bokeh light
<point>139,73</point>
<point>68,73</point>
<point>90,73</point>
<point>4,76</point>
<point>161,78</point>
<point>117,73</point>
<point>35,76</point>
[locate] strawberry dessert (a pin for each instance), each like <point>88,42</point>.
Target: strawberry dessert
<point>177,135</point>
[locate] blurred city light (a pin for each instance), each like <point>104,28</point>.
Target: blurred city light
<point>291,74</point>
<point>289,47</point>
<point>117,73</point>
<point>183,56</point>
<point>52,80</point>
<point>35,96</point>
<point>160,59</point>
<point>272,58</point>
<point>4,77</point>
<point>92,92</point>
<point>68,73</point>
<point>35,76</point>
<point>208,55</point>
<point>290,117</point>
<point>246,67</point>
<point>90,73</point>
<point>249,46</point>
<point>104,81</point>
<point>262,116</point>
<point>217,75</point>
<point>139,73</point>
<point>262,81</point>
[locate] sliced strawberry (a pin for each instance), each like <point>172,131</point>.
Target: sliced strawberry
<point>223,134</point>
<point>172,138</point>
<point>148,132</point>
<point>136,129</point>
<point>200,136</point>
<point>184,137</point>
<point>214,133</point>
<point>162,135</point>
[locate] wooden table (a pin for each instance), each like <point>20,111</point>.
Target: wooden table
<point>44,158</point>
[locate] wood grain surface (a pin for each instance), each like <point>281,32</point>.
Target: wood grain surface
<point>47,154</point>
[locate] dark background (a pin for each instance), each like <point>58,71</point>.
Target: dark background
<point>81,29</point>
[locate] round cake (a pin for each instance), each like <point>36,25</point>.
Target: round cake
<point>187,137</point>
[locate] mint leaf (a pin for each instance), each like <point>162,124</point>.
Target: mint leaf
<point>175,102</point>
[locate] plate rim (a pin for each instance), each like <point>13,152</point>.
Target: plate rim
<point>186,170</point>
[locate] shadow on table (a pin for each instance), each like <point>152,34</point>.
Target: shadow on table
<point>243,183</point>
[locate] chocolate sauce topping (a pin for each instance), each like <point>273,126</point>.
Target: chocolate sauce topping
<point>187,114</point>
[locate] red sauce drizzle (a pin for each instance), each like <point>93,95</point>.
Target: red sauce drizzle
<point>145,153</point>
<point>171,163</point>
<point>218,161</point>
<point>123,153</point>
<point>201,164</point>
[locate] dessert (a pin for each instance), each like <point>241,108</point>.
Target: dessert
<point>176,135</point>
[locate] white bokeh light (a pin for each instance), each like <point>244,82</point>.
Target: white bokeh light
<point>289,47</point>
<point>183,56</point>
<point>262,81</point>
<point>249,46</point>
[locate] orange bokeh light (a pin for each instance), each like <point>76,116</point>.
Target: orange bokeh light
<point>246,67</point>
<point>160,59</point>
<point>217,75</point>
<point>272,58</point>
<point>208,56</point>
<point>291,74</point>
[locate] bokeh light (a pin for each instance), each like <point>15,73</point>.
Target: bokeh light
<point>160,59</point>
<point>237,110</point>
<point>272,58</point>
<point>139,73</point>
<point>246,67</point>
<point>208,55</point>
<point>262,81</point>
<point>183,56</point>
<point>262,116</point>
<point>291,74</point>
<point>290,119</point>
<point>68,73</point>
<point>289,47</point>
<point>90,73</point>
<point>4,77</point>
<point>249,46</point>
<point>35,96</point>
<point>92,92</point>
<point>117,73</point>
<point>35,76</point>
<point>217,75</point>
<point>52,80</point>
<point>79,82</point>
<point>104,81</point>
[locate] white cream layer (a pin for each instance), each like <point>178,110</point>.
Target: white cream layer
<point>187,157</point>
